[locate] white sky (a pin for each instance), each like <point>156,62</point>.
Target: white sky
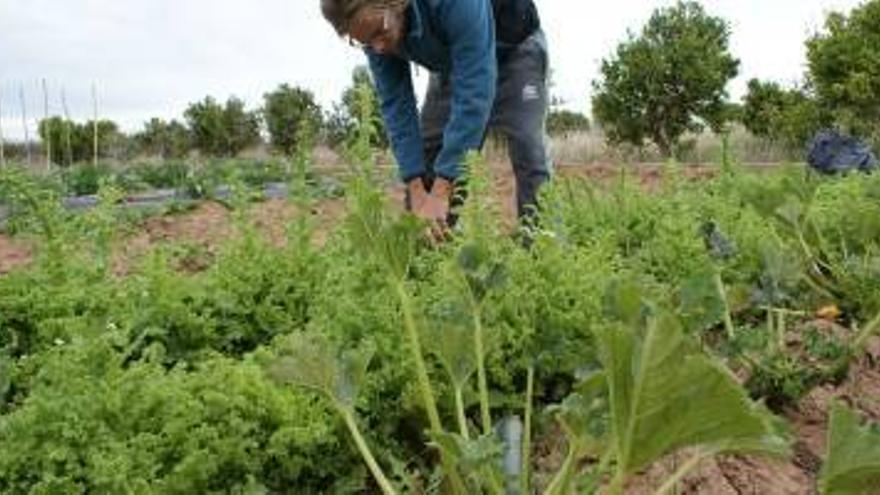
<point>153,57</point>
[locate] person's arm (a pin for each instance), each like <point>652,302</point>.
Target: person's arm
<point>398,106</point>
<point>469,28</point>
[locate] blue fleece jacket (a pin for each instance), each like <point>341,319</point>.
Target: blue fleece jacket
<point>454,37</point>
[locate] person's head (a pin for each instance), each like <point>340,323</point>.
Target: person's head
<point>376,24</point>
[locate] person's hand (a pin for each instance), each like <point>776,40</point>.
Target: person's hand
<point>432,207</point>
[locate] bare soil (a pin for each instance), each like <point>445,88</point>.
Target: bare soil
<point>208,224</point>
<point>14,253</point>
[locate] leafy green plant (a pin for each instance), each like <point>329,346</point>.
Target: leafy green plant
<point>840,70</point>
<point>561,122</point>
<point>310,364</point>
<point>852,465</point>
<point>640,96</point>
<point>391,245</point>
<point>791,116</point>
<point>167,140</point>
<point>222,130</point>
<point>91,423</point>
<point>665,395</point>
<point>289,111</point>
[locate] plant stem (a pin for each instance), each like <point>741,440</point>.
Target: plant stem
<point>685,468</point>
<point>416,350</point>
<point>459,409</point>
<point>872,328</point>
<point>722,293</point>
<point>563,477</point>
<point>527,432</point>
<point>425,383</point>
<point>481,371</point>
<point>604,461</point>
<point>616,487</point>
<point>771,330</point>
<point>378,475</point>
<point>780,330</point>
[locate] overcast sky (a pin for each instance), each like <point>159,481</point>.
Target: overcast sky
<point>153,57</point>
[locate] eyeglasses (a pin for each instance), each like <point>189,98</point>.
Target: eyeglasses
<point>377,35</point>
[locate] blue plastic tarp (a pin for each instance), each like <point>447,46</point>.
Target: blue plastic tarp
<point>831,152</point>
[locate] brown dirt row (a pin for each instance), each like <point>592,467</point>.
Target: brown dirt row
<point>208,224</point>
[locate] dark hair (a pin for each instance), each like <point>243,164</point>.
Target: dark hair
<point>339,13</point>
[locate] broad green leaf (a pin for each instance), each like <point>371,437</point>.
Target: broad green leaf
<point>623,301</point>
<point>481,271</point>
<point>779,279</point>
<point>853,463</point>
<point>451,339</point>
<point>791,213</point>
<point>700,305</point>
<point>310,363</point>
<point>666,395</point>
<point>583,415</point>
<point>474,456</point>
<point>391,242</point>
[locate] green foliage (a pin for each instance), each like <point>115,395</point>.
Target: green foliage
<point>668,80</point>
<point>222,130</point>
<point>790,116</point>
<point>565,122</point>
<point>73,142</point>
<point>167,140</point>
<point>852,465</point>
<point>342,124</point>
<point>289,112</point>
<point>666,395</point>
<point>155,381</point>
<point>843,70</point>
<point>216,428</point>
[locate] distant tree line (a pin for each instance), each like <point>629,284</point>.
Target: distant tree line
<point>663,82</point>
<point>214,128</point>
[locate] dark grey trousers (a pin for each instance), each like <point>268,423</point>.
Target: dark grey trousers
<point>519,112</point>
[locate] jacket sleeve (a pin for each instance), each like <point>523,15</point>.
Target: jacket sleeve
<point>398,105</point>
<point>469,29</point>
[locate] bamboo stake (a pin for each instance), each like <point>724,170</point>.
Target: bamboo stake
<point>95,125</point>
<point>67,124</point>
<point>27,139</point>
<point>48,137</point>
<point>2,151</point>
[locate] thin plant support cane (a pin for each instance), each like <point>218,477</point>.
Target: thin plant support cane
<point>48,137</point>
<point>2,151</point>
<point>24,125</point>
<point>68,147</point>
<point>95,126</point>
